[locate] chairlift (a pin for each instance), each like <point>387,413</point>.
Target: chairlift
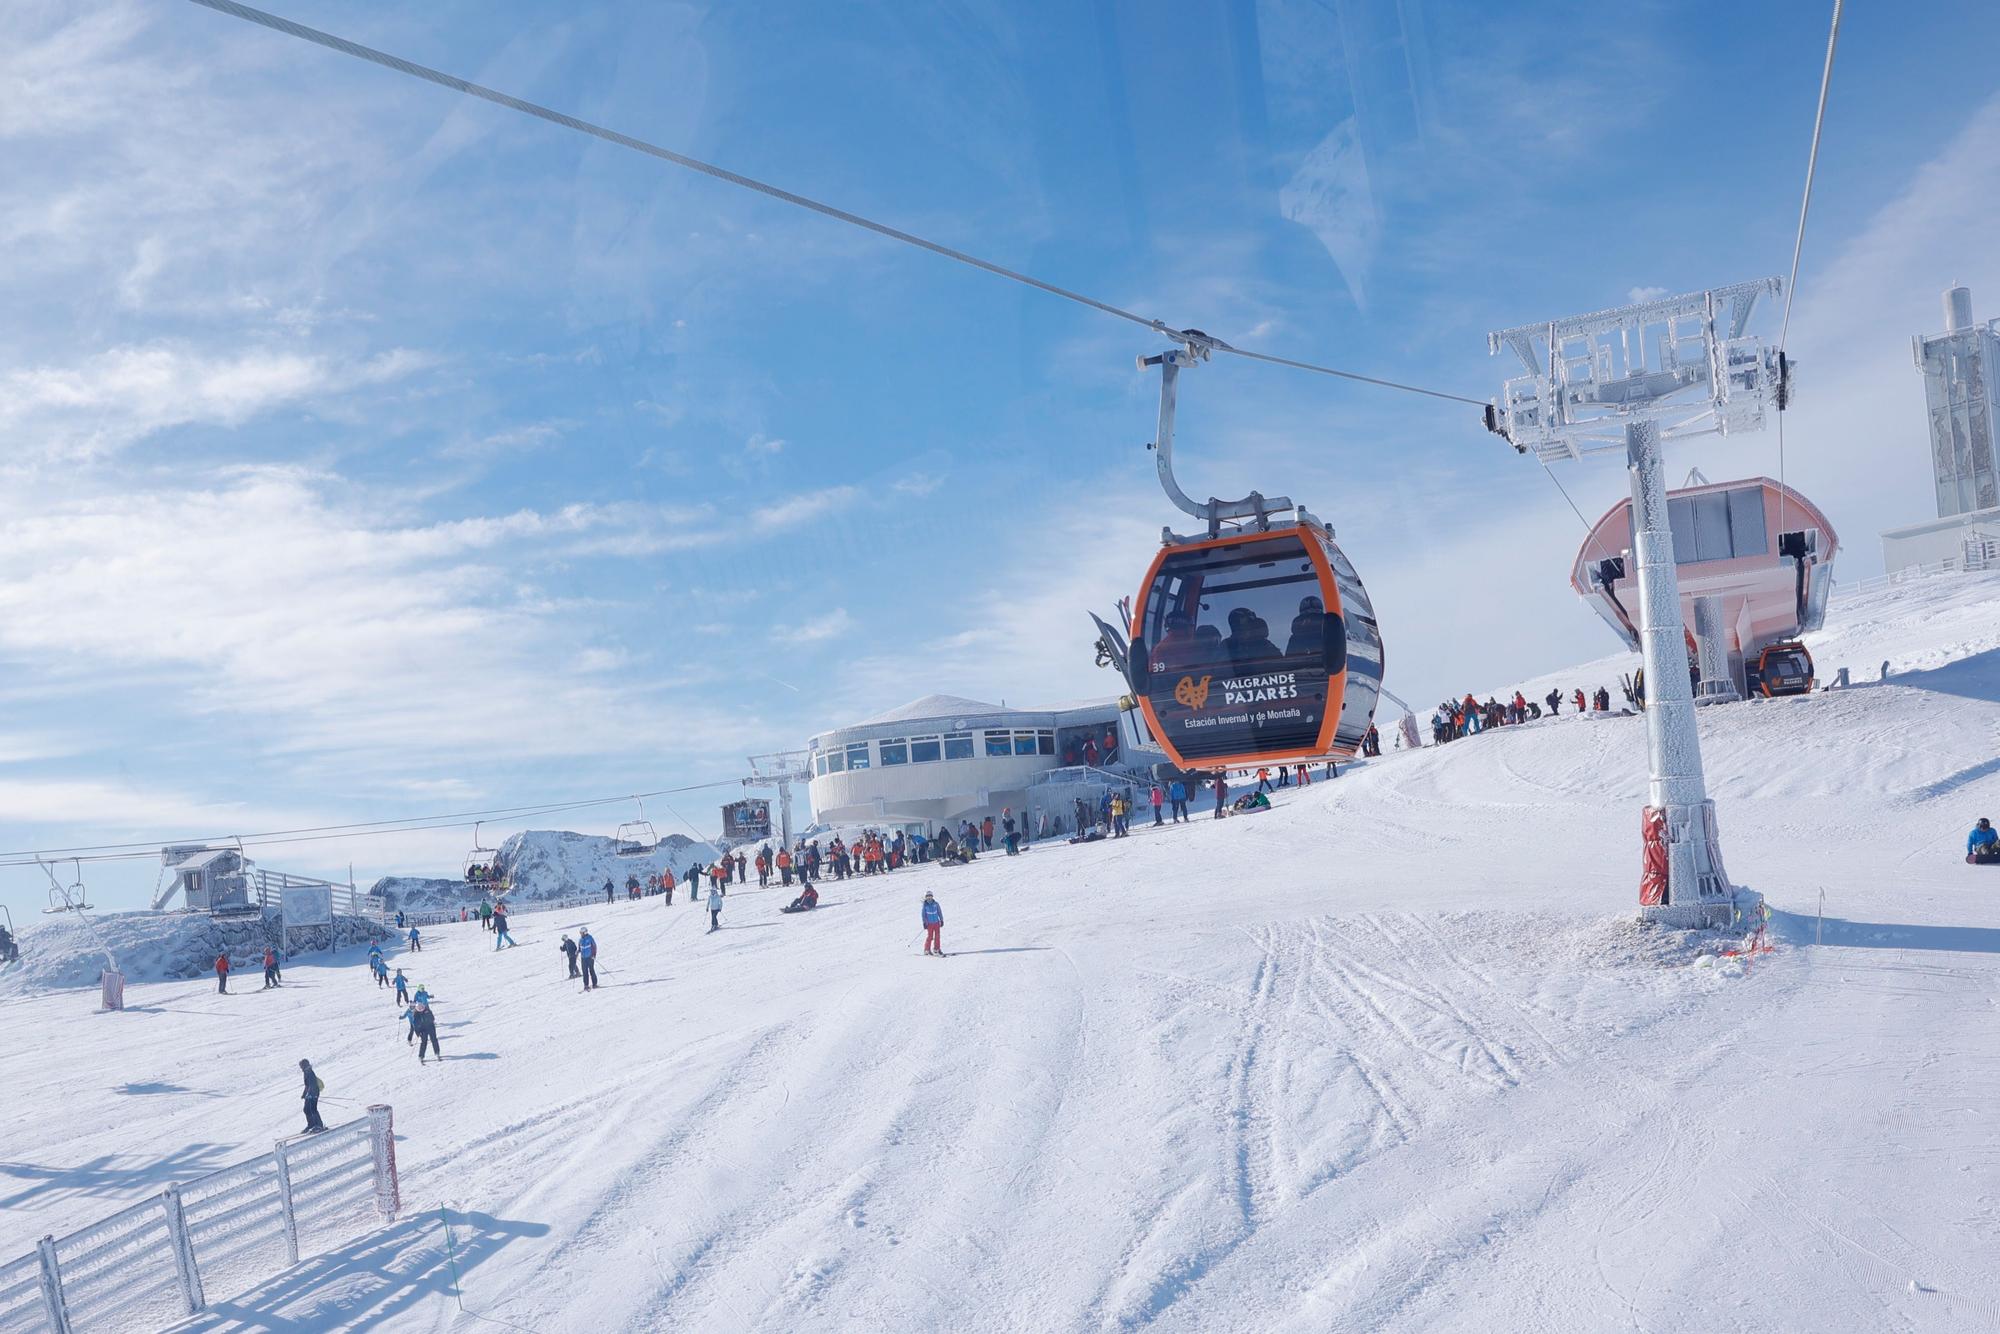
<point>1253,642</point>
<point>481,864</point>
<point>72,897</point>
<point>636,837</point>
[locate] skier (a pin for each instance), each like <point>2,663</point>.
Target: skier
<point>314,1087</point>
<point>381,970</point>
<point>1013,839</point>
<point>609,893</point>
<point>486,912</point>
<point>402,988</point>
<point>1177,795</point>
<point>1982,845</point>
<point>807,900</point>
<point>933,926</point>
<point>1159,798</point>
<point>1263,780</point>
<point>270,968</point>
<point>763,871</point>
<point>586,952</point>
<point>374,957</point>
<point>1554,699</point>
<point>741,863</point>
<point>399,919</point>
<point>784,866</point>
<point>500,935</point>
<point>666,887</point>
<point>417,941</point>
<point>425,1025</point>
<point>715,905</point>
<point>1221,792</point>
<point>222,973</point>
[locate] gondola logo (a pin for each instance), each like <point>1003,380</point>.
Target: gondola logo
<point>1192,696</point>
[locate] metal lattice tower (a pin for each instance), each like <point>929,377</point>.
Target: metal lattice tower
<point>1626,380</point>
<point>781,769</point>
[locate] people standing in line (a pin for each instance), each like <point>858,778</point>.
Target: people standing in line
<point>270,968</point>
<point>402,988</point>
<point>1159,798</point>
<point>763,871</point>
<point>986,833</point>
<point>933,917</point>
<point>423,1022</point>
<point>1177,795</point>
<point>666,887</point>
<point>1221,792</point>
<point>222,973</point>
<point>785,866</point>
<point>1305,777</point>
<point>314,1087</point>
<point>715,907</point>
<point>586,953</point>
<point>1013,839</point>
<point>568,948</point>
<point>740,864</point>
<point>416,942</point>
<point>500,936</point>
<point>486,912</point>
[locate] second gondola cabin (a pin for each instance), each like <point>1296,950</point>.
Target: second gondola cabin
<point>1255,648</point>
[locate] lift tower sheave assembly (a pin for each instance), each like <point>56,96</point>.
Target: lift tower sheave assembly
<point>1625,381</point>
<point>781,770</point>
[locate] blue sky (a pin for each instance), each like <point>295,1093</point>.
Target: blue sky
<point>367,451</point>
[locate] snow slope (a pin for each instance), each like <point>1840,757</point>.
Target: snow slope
<point>156,947</point>
<point>1392,1055</point>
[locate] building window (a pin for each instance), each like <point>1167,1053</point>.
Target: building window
<point>999,743</point>
<point>857,755</point>
<point>924,750</point>
<point>1024,743</point>
<point>1045,742</point>
<point>958,745</point>
<point>819,764</point>
<point>836,761</point>
<point>895,750</point>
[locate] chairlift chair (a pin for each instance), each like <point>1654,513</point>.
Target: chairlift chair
<point>636,838</point>
<point>480,863</point>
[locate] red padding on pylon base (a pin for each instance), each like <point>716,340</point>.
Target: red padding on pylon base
<point>1653,860</point>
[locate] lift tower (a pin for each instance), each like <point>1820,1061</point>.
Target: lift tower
<point>1624,381</point>
<point>781,770</point>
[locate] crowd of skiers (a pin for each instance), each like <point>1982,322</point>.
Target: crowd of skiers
<point>1457,718</point>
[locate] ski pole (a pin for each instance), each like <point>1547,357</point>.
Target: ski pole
<point>451,1257</point>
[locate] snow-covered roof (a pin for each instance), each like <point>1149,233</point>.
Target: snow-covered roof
<point>931,706</point>
<point>200,860</point>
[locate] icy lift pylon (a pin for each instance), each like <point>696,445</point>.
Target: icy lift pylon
<point>1624,381</point>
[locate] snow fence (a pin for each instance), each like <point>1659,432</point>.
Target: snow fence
<point>151,1266</point>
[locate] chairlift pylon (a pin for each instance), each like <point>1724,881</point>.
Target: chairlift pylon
<point>636,837</point>
<point>1205,664</point>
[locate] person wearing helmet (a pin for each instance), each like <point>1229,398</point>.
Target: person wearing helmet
<point>933,926</point>
<point>1982,845</point>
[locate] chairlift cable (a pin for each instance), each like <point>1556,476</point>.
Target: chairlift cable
<point>363,829</point>
<point>397,63</point>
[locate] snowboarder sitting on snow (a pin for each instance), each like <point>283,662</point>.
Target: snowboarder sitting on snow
<point>805,902</point>
<point>1256,801</point>
<point>1982,845</point>
<point>933,927</point>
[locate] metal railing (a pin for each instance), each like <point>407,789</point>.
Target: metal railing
<point>1972,561</point>
<point>152,1265</point>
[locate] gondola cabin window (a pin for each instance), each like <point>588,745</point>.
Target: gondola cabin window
<point>1240,648</point>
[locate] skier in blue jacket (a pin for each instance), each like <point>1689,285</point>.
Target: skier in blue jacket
<point>933,926</point>
<point>1177,794</point>
<point>586,954</point>
<point>1983,843</point>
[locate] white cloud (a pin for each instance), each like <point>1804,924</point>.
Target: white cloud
<point>830,625</point>
<point>797,509</point>
<point>917,484</point>
<point>116,397</point>
<point>762,446</point>
<point>1639,295</point>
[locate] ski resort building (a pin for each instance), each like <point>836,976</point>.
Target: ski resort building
<point>943,758</point>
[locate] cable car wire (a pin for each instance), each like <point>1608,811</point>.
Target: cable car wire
<point>1799,239</point>
<point>397,63</point>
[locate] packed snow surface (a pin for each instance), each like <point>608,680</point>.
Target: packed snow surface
<point>550,864</point>
<point>1392,1055</point>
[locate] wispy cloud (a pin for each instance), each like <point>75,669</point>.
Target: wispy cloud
<point>829,625</point>
<point>797,509</point>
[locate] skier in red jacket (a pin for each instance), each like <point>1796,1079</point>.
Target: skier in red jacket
<point>222,973</point>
